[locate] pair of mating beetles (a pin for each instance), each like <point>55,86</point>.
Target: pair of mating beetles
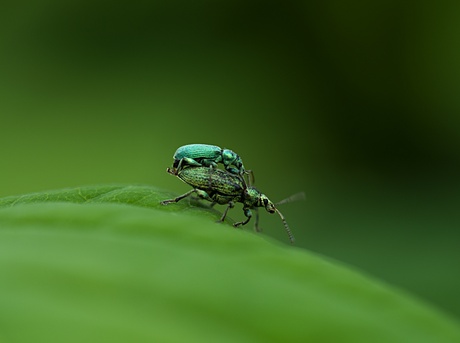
<point>196,165</point>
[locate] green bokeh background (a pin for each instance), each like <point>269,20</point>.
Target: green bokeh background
<point>355,104</point>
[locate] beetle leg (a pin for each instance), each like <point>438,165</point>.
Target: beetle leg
<point>232,170</point>
<point>179,198</point>
<point>248,214</point>
<point>179,166</point>
<point>251,178</point>
<point>230,205</point>
<point>256,224</point>
<point>212,165</point>
<point>204,195</point>
<point>187,161</point>
<point>208,163</point>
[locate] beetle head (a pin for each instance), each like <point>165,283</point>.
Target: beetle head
<point>257,199</point>
<point>253,198</point>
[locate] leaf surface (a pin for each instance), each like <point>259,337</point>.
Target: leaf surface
<point>111,264</point>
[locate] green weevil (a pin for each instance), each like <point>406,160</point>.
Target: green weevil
<point>220,187</point>
<point>205,155</point>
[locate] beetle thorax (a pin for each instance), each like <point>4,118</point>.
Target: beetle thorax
<point>229,157</point>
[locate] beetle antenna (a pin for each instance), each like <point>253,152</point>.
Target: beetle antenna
<point>286,226</point>
<point>251,178</point>
<point>292,198</point>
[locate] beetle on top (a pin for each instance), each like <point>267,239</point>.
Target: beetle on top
<point>205,155</point>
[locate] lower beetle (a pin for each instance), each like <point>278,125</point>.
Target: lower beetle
<point>220,187</point>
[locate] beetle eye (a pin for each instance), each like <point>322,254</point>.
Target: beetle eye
<point>265,202</point>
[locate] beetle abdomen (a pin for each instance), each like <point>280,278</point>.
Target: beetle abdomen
<point>197,151</point>
<point>216,180</point>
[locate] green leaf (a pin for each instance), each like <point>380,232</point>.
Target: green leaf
<point>143,196</point>
<point>86,265</point>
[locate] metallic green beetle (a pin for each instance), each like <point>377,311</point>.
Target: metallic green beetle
<point>204,155</point>
<point>220,187</point>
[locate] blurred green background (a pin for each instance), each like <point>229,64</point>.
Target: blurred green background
<point>354,103</point>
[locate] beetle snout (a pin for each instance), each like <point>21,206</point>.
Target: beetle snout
<point>270,207</point>
<point>267,204</point>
